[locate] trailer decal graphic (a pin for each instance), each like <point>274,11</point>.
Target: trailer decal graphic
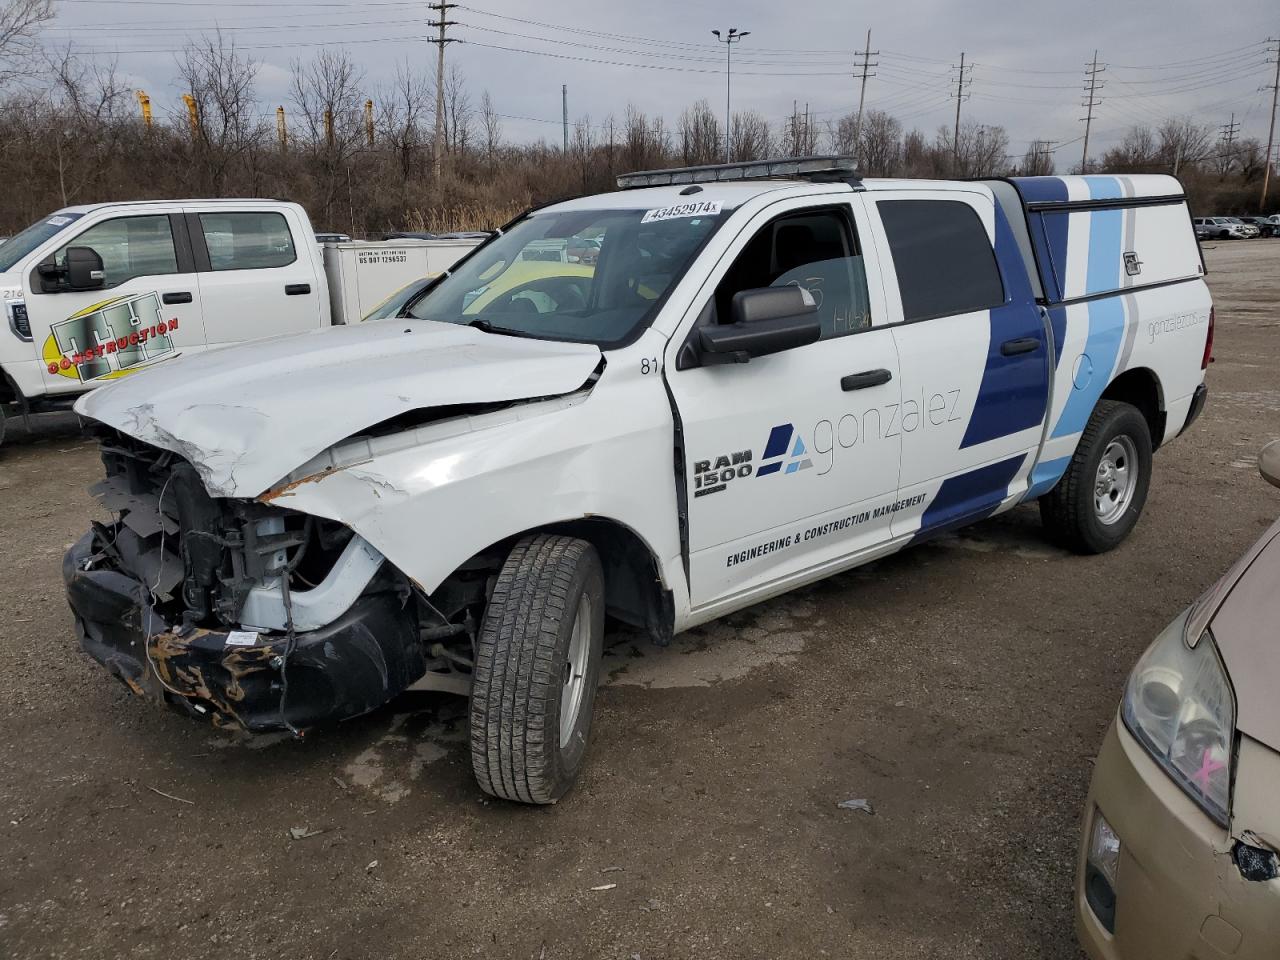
<point>110,339</point>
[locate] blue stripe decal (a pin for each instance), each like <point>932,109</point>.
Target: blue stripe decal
<point>1106,316</point>
<point>1045,476</point>
<point>969,497</point>
<point>779,440</point>
<point>1058,321</point>
<point>1014,390</point>
<point>1048,231</point>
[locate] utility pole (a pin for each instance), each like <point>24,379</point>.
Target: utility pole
<point>1091,86</point>
<point>441,8</point>
<point>368,122</point>
<point>729,39</point>
<point>962,84</point>
<point>1271,134</point>
<point>564,113</point>
<point>866,65</point>
<point>282,131</point>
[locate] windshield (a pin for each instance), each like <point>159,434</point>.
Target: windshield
<point>11,251</point>
<point>590,276</point>
<point>392,306</point>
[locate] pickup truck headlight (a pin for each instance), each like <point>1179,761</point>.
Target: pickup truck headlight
<point>1180,706</point>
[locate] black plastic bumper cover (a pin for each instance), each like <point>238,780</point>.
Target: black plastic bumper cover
<point>1197,406</point>
<point>354,665</point>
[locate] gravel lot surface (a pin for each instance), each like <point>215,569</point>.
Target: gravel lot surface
<point>961,687</point>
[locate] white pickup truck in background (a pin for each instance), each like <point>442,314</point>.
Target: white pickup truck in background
<point>94,293</point>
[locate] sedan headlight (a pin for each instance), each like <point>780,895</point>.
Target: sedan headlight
<point>1180,706</point>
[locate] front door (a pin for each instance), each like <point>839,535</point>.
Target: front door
<point>974,352</point>
<point>790,459</point>
<point>146,311</point>
<point>254,279</point>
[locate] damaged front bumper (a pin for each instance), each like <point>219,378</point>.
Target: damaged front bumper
<point>248,680</point>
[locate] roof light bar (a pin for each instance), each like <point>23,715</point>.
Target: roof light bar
<point>833,168</point>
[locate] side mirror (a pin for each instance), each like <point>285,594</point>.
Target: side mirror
<point>84,270</point>
<point>766,320</point>
<point>1269,463</point>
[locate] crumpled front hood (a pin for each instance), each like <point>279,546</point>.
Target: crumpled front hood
<point>247,415</point>
<point>1246,629</point>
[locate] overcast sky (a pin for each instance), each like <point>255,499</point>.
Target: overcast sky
<point>1163,57</point>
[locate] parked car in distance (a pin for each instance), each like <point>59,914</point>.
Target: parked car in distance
<point>1247,229</point>
<point>1180,853</point>
<point>1267,226</point>
<point>1218,228</point>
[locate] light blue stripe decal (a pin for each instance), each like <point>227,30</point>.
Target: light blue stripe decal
<point>1106,315</point>
<point>1045,476</point>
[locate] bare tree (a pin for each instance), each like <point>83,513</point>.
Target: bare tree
<point>582,148</point>
<point>700,138</point>
<point>402,113</point>
<point>227,131</point>
<point>1038,160</point>
<point>20,21</point>
<point>458,113</point>
<point>879,146</point>
<point>1137,152</point>
<point>1183,142</point>
<point>749,138</point>
<point>492,124</point>
<point>326,92</point>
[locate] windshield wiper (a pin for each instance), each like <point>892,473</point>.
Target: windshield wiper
<point>488,327</point>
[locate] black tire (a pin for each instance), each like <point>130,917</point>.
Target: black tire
<point>1068,510</point>
<point>521,670</point>
<point>1224,235</point>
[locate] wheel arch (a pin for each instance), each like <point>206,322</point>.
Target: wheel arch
<point>635,591</point>
<point>1141,388</point>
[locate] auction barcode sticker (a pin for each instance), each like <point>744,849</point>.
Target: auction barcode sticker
<point>703,208</point>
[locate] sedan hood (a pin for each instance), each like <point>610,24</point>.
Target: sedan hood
<point>1246,628</point>
<point>247,415</point>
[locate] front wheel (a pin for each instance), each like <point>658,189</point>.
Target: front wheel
<point>1101,495</point>
<point>536,670</point>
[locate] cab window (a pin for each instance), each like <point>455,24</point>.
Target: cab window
<point>813,249</point>
<point>943,257</point>
<point>129,247</point>
<point>247,241</point>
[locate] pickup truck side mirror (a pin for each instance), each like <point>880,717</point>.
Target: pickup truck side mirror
<point>1269,463</point>
<point>766,320</point>
<point>84,270</point>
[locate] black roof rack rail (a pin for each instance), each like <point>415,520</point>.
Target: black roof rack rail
<point>832,169</point>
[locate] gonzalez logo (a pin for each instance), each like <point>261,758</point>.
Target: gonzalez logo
<point>776,452</point>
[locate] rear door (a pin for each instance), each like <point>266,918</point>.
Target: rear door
<point>974,353</point>
<point>790,463</point>
<point>257,279</point>
<point>146,311</point>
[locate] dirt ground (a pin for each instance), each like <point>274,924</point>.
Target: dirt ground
<point>961,687</point>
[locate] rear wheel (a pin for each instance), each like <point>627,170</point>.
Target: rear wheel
<point>1101,495</point>
<point>536,670</point>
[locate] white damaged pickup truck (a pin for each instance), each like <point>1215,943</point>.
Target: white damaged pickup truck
<point>769,373</point>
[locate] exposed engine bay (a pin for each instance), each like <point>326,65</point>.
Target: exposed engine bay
<point>249,614</point>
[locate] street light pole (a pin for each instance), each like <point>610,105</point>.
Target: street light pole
<point>729,39</point>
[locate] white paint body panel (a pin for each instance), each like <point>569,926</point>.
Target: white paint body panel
<point>363,274</point>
